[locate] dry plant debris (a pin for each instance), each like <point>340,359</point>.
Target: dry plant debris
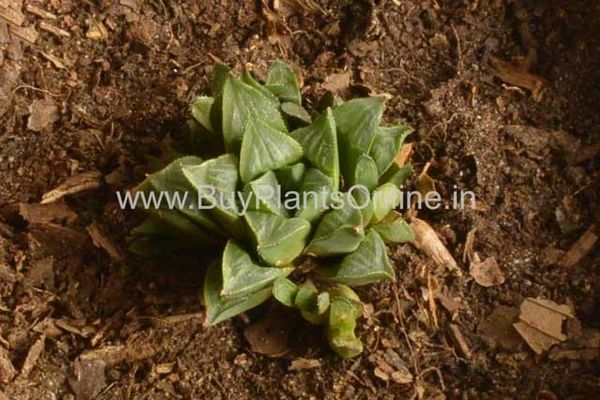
<point>541,323</point>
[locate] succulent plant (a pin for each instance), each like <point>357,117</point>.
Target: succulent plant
<point>250,138</point>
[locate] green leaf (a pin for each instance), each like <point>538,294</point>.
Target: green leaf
<point>219,308</point>
<point>365,173</point>
<point>356,122</point>
<point>394,229</point>
<point>306,298</point>
<point>242,102</point>
<point>242,276</point>
<point>282,81</point>
<point>248,79</point>
<point>316,190</point>
<point>319,142</point>
<point>296,113</point>
<point>396,175</point>
<point>290,177</point>
<point>385,198</point>
<point>368,264</point>
<point>340,328</point>
<point>172,182</point>
<point>388,142</point>
<point>262,194</point>
<point>215,182</point>
<point>220,74</point>
<point>285,291</point>
<point>264,149</point>
<point>339,232</point>
<point>311,303</point>
<point>279,240</point>
<point>201,111</point>
<point>362,197</point>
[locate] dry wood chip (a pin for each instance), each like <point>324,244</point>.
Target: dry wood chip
<point>164,368</point>
<point>57,62</point>
<point>304,363</point>
<point>34,353</point>
<point>337,83</point>
<point>40,12</point>
<point>7,274</point>
<point>87,379</point>
<point>4,34</point>
<point>96,30</point>
<point>459,340</point>
<point>73,185</point>
<point>581,248</point>
<point>14,16</point>
<point>133,4</point>
<point>7,370</point>
<point>101,240</point>
<point>486,273</point>
<point>513,75</point>
<point>48,27</point>
<point>113,355</point>
<point>427,240</point>
<point>469,246</point>
<point>43,213</point>
<point>27,33</point>
<point>43,113</point>
<point>541,323</point>
<point>404,155</point>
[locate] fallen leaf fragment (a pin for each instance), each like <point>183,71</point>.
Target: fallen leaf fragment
<point>486,273</point>
<point>428,241</point>
<point>541,323</point>
<point>75,184</point>
<point>303,363</point>
<point>43,113</point>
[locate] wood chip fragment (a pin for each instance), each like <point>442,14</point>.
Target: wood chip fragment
<point>87,378</point>
<point>96,30</point>
<point>34,353</point>
<point>101,240</point>
<point>48,27</point>
<point>12,15</point>
<point>427,240</point>
<point>28,33</point>
<point>43,213</point>
<point>7,370</point>
<point>513,75</point>
<point>73,185</point>
<point>164,368</point>
<point>57,62</point>
<point>113,355</point>
<point>459,340</point>
<point>303,363</point>
<point>40,12</point>
<point>581,248</point>
<point>541,323</point>
<point>404,155</point>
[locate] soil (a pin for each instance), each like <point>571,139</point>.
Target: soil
<point>82,318</point>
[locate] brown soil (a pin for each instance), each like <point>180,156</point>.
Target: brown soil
<point>111,93</point>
